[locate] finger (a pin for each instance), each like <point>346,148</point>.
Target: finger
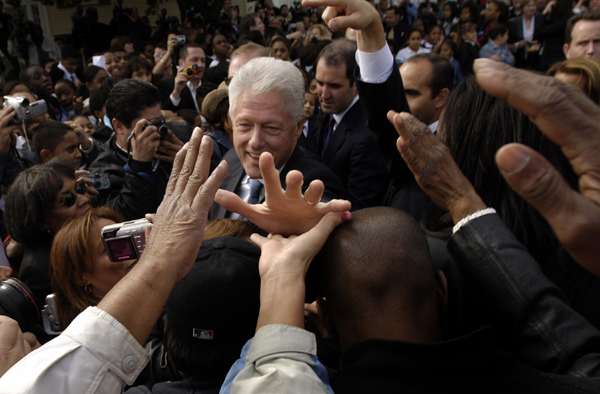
<point>317,236</point>
<point>553,106</point>
<point>205,197</point>
<point>415,134</point>
<point>233,203</point>
<point>80,173</point>
<point>293,184</point>
<point>270,175</point>
<point>150,217</point>
<point>258,240</point>
<point>339,206</point>
<point>314,192</point>
<point>189,164</point>
<point>92,192</point>
<point>31,340</point>
<point>573,217</point>
<point>177,165</point>
<point>164,157</point>
<point>341,23</point>
<point>169,145</point>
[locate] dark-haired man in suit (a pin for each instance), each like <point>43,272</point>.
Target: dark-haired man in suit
<point>179,91</point>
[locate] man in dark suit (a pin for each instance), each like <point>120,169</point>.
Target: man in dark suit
<point>345,142</point>
<point>266,107</point>
<point>179,91</point>
<point>396,29</point>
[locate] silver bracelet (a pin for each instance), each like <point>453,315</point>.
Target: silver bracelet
<point>468,218</point>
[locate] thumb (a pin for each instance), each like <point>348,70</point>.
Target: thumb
<point>530,175</point>
<point>318,235</point>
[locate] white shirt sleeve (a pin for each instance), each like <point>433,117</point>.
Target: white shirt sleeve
<point>95,354</point>
<point>375,67</point>
<point>174,101</point>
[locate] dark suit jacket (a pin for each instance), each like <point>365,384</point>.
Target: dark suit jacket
<point>302,160</point>
<point>517,34</point>
<point>403,193</point>
<point>355,159</point>
<point>310,141</point>
<point>166,88</point>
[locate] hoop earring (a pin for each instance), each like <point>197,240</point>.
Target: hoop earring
<point>88,289</point>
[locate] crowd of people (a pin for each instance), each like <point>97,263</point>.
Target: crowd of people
<point>333,197</point>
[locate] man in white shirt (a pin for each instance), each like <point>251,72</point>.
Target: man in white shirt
<point>179,91</point>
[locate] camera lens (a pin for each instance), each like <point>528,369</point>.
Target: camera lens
<point>16,302</point>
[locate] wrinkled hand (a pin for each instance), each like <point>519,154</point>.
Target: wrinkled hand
<point>145,141</point>
<point>284,212</point>
<point>570,119</point>
<point>6,131</point>
<point>168,149</point>
<point>181,217</point>
<point>14,345</point>
<point>282,267</point>
<point>434,168</point>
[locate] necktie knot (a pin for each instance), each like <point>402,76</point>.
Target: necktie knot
<point>255,189</point>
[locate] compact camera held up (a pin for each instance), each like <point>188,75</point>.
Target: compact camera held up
<point>125,241</point>
<point>161,126</point>
<point>24,110</point>
<point>191,71</point>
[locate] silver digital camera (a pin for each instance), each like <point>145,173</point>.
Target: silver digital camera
<point>25,111</point>
<point>125,241</point>
<point>50,319</point>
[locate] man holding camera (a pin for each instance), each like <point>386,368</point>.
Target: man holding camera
<point>179,91</point>
<point>136,170</point>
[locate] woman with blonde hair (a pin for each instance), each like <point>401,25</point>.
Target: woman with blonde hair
<point>581,72</point>
<point>317,32</point>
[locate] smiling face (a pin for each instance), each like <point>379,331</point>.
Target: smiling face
<point>194,56</point>
<point>112,65</point>
<point>104,274</point>
<point>261,124</point>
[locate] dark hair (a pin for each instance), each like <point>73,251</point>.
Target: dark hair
<point>30,196</point>
<point>49,134</point>
<point>416,29</point>
<point>396,10</point>
<point>338,53</point>
<point>248,21</point>
<point>183,53</point>
<point>89,73</point>
<point>497,31</point>
<point>97,101</point>
<point>584,16</point>
<point>70,52</point>
<point>453,9</point>
<point>216,74</point>
<point>450,42</point>
<point>114,49</point>
<point>443,71</point>
<point>562,9</point>
<point>503,8</point>
<point>10,85</point>
<point>285,41</point>
<point>473,9</point>
<point>135,63</point>
<point>310,52</point>
<point>67,82</point>
<point>256,37</point>
<point>120,41</point>
<point>129,98</point>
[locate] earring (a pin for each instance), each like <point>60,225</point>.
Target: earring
<point>88,289</point>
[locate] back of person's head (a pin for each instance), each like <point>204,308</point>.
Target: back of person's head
<point>70,52</point>
<point>129,98</point>
<point>339,53</point>
<point>14,86</point>
<point>49,134</point>
<point>265,75</point>
<point>250,50</point>
<point>256,37</point>
<point>309,53</point>
<point>215,107</point>
<point>212,312</point>
<point>32,194</point>
<point>587,71</point>
<point>496,31</point>
<point>89,73</point>
<point>115,48</point>
<point>71,257</point>
<point>583,16</point>
<point>248,21</point>
<point>376,264</point>
<point>120,41</point>
<point>443,71</point>
<point>217,74</point>
<point>474,125</point>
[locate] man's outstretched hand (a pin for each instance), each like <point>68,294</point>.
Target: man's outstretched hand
<point>286,212</point>
<point>570,119</point>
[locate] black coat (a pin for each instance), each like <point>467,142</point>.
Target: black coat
<point>352,154</point>
<point>166,86</point>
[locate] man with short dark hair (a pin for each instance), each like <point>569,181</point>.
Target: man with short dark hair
<point>57,139</point>
<point>345,142</point>
<point>249,23</point>
<point>137,180</point>
<point>179,91</point>
<point>396,29</point>
<point>582,36</point>
<point>70,59</point>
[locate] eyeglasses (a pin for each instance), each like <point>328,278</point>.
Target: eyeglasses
<point>158,54</point>
<point>70,199</point>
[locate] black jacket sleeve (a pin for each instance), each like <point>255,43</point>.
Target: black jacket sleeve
<point>528,310</point>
